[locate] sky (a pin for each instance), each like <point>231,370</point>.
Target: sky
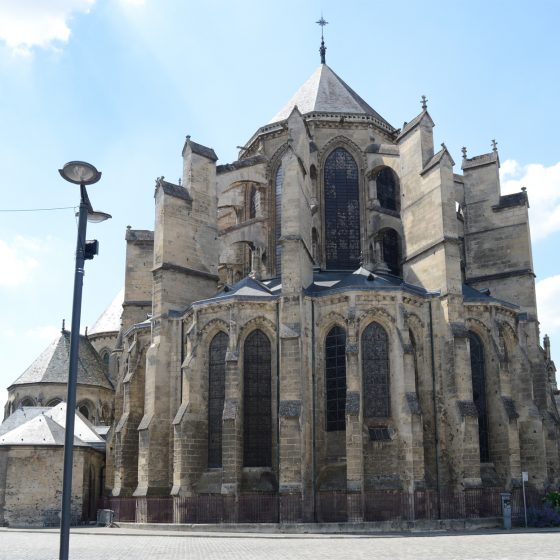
<point>120,83</point>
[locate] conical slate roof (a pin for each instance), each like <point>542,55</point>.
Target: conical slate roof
<point>326,92</point>
<point>110,319</point>
<point>53,364</point>
<point>46,426</point>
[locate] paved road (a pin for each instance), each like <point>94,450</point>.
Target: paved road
<point>121,544</point>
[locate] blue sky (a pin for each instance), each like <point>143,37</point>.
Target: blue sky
<point>120,83</point>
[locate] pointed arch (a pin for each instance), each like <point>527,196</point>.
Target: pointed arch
<point>375,371</point>
<point>257,400</point>
<point>341,210</point>
<point>335,379</point>
<point>216,395</point>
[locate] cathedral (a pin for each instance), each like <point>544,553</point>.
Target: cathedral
<point>342,308</point>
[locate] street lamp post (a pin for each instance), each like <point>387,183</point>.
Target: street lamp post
<point>79,173</point>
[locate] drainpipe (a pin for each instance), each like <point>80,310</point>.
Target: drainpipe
<point>313,419</point>
<point>436,425</point>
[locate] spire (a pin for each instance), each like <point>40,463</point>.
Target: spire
<point>323,49</point>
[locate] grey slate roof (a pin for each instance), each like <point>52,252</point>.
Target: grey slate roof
<point>471,294</point>
<point>200,150</point>
<point>52,365</point>
<point>110,319</point>
<point>46,426</point>
<point>326,92</point>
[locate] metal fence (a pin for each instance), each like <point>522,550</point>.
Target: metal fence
<point>327,507</point>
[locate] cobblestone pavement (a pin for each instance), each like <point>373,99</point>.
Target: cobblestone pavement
<point>121,544</point>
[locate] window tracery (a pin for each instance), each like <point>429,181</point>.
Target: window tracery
<point>216,394</point>
<point>342,211</point>
<point>335,379</point>
<point>257,401</point>
<point>375,371</point>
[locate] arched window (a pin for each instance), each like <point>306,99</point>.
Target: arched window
<point>391,248</point>
<point>375,371</point>
<point>279,184</point>
<point>216,395</point>
<point>84,411</point>
<point>479,393</point>
<point>342,211</point>
<point>257,401</point>
<point>54,402</point>
<point>335,379</point>
<point>27,401</point>
<point>387,189</point>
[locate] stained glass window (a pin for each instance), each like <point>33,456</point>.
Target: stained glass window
<point>342,211</point>
<point>375,371</point>
<point>216,395</point>
<point>387,190</point>
<point>335,379</point>
<point>479,393</point>
<point>257,401</point>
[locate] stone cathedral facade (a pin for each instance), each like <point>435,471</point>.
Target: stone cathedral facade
<point>342,308</point>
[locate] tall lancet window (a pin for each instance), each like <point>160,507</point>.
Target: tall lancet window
<point>279,184</point>
<point>342,211</point>
<point>257,401</point>
<point>375,371</point>
<point>335,379</point>
<point>479,394</point>
<point>216,395</point>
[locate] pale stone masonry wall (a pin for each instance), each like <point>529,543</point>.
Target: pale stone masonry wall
<point>451,228</point>
<point>29,498</point>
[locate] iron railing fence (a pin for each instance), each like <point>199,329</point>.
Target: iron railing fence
<point>328,507</point>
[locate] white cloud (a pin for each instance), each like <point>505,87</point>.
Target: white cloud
<point>16,262</point>
<point>25,24</point>
<point>543,189</point>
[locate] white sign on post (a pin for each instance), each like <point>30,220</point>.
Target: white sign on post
<point>525,476</point>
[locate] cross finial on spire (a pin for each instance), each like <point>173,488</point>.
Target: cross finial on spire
<point>464,150</point>
<point>323,49</point>
<point>424,102</point>
<point>494,146</point>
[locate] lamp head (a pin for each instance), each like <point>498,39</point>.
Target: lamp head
<point>80,173</point>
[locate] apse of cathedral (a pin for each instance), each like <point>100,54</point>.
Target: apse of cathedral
<point>341,308</point>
